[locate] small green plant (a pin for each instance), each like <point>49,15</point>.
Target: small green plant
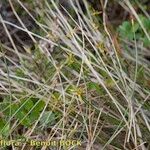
<point>128,28</point>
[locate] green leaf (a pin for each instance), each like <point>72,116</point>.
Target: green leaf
<point>95,86</point>
<point>39,106</point>
<point>21,116</point>
<point>48,118</point>
<point>10,109</point>
<point>127,30</point>
<point>146,41</point>
<point>4,129</point>
<point>145,21</point>
<point>35,109</point>
<point>19,73</point>
<point>28,105</point>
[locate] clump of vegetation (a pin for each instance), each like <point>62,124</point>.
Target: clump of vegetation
<point>75,80</point>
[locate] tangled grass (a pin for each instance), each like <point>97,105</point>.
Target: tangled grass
<point>76,81</point>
